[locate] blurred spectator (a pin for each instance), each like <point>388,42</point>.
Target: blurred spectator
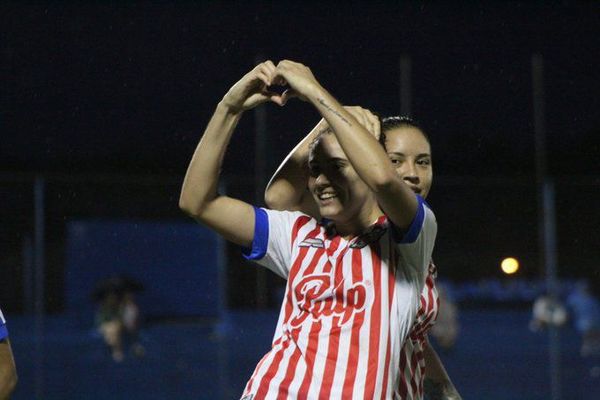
<point>585,304</point>
<point>446,327</point>
<point>547,311</point>
<point>8,371</point>
<point>118,315</point>
<point>130,315</point>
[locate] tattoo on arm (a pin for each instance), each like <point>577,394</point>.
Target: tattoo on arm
<point>435,390</point>
<point>334,112</point>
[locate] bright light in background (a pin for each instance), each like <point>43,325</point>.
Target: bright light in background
<point>509,265</point>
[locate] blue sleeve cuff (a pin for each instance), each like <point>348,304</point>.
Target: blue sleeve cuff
<point>261,236</point>
<point>415,227</point>
<point>3,332</point>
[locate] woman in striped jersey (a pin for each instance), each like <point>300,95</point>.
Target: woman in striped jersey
<point>409,150</point>
<point>353,292</point>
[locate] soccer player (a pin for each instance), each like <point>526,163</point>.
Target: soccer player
<point>409,150</point>
<point>354,278</point>
<point>8,371</point>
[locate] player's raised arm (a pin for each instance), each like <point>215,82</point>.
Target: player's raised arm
<point>362,149</point>
<point>287,188</point>
<point>232,218</point>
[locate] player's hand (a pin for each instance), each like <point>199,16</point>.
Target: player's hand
<point>367,119</point>
<point>253,89</point>
<point>299,77</point>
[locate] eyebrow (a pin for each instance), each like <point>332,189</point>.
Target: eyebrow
<point>404,155</point>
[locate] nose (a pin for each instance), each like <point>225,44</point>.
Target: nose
<point>409,174</point>
<point>321,180</point>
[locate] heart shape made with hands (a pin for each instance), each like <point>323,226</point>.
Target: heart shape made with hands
<point>280,92</point>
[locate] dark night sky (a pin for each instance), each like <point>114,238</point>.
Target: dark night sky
<point>129,88</point>
<point>96,89</point>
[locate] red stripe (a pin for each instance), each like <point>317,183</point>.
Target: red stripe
<point>311,350</point>
<point>296,267</point>
<point>331,251</point>
<point>294,271</point>
<point>300,222</point>
<point>263,387</point>
<point>334,335</point>
<point>332,355</point>
<point>403,386</point>
<point>289,375</point>
<point>386,367</point>
<point>354,340</point>
<point>414,363</point>
<point>373,363</point>
<point>313,337</point>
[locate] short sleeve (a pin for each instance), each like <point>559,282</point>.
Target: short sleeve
<point>272,243</point>
<point>416,245</point>
<point>3,329</point>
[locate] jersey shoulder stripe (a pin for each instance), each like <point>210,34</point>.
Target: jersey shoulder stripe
<point>3,329</point>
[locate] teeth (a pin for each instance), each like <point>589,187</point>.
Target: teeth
<point>325,196</point>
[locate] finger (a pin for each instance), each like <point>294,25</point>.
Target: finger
<point>289,94</point>
<point>277,99</point>
<point>269,64</point>
<point>264,77</point>
<point>271,70</point>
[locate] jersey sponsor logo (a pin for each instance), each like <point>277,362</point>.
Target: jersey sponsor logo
<point>316,296</point>
<point>312,242</point>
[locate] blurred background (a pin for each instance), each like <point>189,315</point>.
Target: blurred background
<point>101,106</point>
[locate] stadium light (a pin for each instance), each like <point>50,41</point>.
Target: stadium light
<point>509,265</point>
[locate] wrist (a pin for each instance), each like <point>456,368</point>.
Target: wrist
<point>227,107</point>
<point>315,92</point>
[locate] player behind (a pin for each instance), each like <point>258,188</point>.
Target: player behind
<point>8,371</point>
<point>409,150</point>
<point>354,280</point>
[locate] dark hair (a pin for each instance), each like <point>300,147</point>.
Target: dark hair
<point>400,121</point>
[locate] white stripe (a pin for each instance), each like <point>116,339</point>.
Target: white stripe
<point>283,366</point>
<point>384,329</point>
<point>320,359</point>
<point>298,377</point>
<point>2,318</point>
<point>337,386</point>
<point>363,359</point>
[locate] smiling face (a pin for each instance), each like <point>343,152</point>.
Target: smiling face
<point>339,192</point>
<point>410,154</point>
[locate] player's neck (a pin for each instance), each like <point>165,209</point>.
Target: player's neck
<point>357,225</point>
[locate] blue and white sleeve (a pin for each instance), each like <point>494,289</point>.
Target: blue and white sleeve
<point>272,246</point>
<point>3,330</point>
<point>416,244</point>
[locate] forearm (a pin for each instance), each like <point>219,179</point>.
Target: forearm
<point>437,384</point>
<point>202,176</point>
<point>8,372</point>
<point>362,149</point>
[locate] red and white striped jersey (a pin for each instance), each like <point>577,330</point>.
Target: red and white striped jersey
<point>349,305</point>
<point>412,362</point>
